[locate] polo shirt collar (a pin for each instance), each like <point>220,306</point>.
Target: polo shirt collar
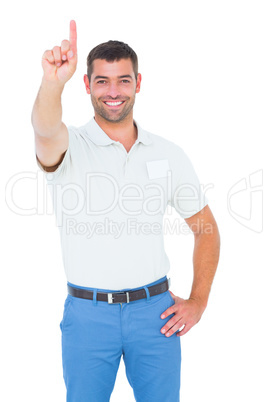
<point>99,137</point>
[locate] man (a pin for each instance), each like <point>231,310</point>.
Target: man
<point>111,182</point>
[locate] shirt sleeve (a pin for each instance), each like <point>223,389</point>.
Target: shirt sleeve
<point>187,194</point>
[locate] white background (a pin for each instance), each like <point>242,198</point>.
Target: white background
<point>204,86</point>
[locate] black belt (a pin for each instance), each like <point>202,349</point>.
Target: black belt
<point>120,297</point>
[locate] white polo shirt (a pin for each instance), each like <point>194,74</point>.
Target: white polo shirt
<point>110,203</point>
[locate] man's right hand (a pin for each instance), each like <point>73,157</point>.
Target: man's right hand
<point>59,64</point>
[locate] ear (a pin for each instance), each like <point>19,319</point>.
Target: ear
<point>138,85</point>
<point>86,81</point>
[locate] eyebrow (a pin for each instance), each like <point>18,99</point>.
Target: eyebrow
<point>106,78</point>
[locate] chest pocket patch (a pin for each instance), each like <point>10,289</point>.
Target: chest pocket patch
<point>158,168</point>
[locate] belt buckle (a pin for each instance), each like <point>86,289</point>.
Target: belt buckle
<point>110,297</point>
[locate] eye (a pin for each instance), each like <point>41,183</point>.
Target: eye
<point>125,81</point>
<point>100,82</point>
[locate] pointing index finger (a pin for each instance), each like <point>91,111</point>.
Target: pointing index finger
<point>73,36</point>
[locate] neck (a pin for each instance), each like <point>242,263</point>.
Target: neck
<point>124,131</point>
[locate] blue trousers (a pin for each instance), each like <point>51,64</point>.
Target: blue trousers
<point>95,334</point>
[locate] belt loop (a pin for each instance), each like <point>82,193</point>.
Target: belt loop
<point>147,293</point>
<point>95,297</point>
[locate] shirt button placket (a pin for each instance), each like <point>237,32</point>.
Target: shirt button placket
<point>125,172</point>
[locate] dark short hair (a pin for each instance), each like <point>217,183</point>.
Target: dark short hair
<point>113,50</point>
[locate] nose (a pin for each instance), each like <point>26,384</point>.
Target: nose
<point>113,90</point>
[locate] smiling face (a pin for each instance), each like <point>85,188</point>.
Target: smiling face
<point>113,89</point>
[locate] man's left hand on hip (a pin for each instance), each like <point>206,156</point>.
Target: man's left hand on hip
<point>187,313</point>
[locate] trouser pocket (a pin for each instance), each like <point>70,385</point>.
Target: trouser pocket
<point>66,309</point>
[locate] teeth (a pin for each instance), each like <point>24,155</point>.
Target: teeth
<point>113,103</point>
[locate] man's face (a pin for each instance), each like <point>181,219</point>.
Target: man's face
<point>113,88</point>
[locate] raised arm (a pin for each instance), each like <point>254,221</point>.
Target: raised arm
<point>51,134</point>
